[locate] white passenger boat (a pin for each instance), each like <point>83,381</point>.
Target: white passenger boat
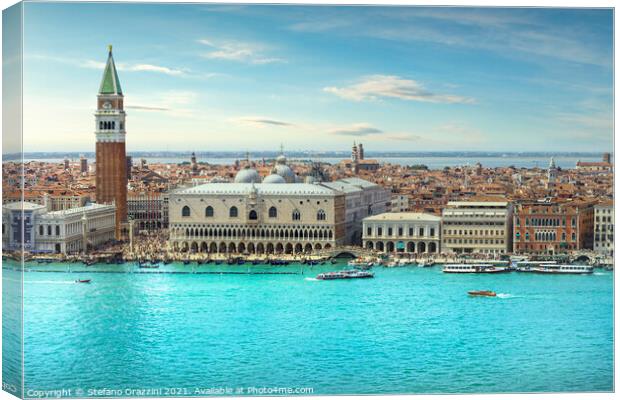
<point>563,269</point>
<point>530,266</point>
<point>474,269</point>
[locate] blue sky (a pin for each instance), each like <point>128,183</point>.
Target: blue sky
<point>234,77</point>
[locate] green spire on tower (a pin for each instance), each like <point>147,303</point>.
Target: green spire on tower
<point>110,83</point>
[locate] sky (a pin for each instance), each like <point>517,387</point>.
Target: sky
<point>252,77</point>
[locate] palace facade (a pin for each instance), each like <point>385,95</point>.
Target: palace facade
<point>263,218</point>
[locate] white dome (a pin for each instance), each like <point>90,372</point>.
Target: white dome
<point>281,159</point>
<point>274,178</point>
<point>247,175</point>
<point>285,172</point>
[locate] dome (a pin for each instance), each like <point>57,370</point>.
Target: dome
<point>274,178</point>
<point>247,175</point>
<point>281,159</point>
<point>285,172</point>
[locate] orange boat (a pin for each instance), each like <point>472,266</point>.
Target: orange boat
<point>487,293</point>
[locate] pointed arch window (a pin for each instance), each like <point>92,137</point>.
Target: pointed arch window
<point>185,211</point>
<point>253,215</point>
<point>320,215</point>
<point>296,215</point>
<point>273,212</point>
<point>233,212</point>
<point>209,211</point>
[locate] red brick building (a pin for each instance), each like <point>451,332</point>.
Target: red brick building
<point>550,227</point>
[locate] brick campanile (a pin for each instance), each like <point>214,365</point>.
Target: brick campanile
<point>111,179</point>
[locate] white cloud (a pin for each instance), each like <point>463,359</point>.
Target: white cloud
<point>261,121</point>
<point>231,50</point>
<point>360,129</point>
<point>388,86</point>
<point>124,67</point>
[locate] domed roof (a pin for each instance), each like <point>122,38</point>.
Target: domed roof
<point>281,159</point>
<point>274,178</point>
<point>247,175</point>
<point>285,172</point>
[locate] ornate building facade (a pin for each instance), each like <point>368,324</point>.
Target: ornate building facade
<point>262,218</point>
<point>111,178</point>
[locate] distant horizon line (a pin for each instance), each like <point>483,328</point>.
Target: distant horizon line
<point>308,153</point>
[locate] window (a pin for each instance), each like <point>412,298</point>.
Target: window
<point>185,211</point>
<point>369,231</point>
<point>400,231</point>
<point>253,215</point>
<point>57,230</point>
<point>379,231</point>
<point>40,229</point>
<point>49,230</point>
<point>390,232</point>
<point>296,215</point>
<point>233,212</point>
<point>209,211</point>
<point>320,215</point>
<point>273,212</point>
<point>421,232</point>
<point>432,231</point>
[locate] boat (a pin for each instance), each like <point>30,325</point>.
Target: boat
<point>218,262</point>
<point>567,269</point>
<point>391,264</point>
<point>529,266</point>
<point>474,269</point>
<point>82,281</point>
<point>148,266</point>
<point>345,274</point>
<point>186,262</point>
<point>426,264</point>
<point>312,262</point>
<point>487,293</point>
<point>333,261</point>
<point>255,262</point>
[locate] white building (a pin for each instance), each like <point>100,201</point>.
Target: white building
<point>362,199</point>
<point>261,218</point>
<point>406,232</point>
<point>14,225</point>
<point>604,228</point>
<point>66,231</point>
<point>477,227</point>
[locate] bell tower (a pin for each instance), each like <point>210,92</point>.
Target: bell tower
<point>111,178</point>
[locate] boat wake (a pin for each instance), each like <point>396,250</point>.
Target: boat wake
<point>311,279</point>
<point>599,273</point>
<point>52,282</point>
<point>505,295</point>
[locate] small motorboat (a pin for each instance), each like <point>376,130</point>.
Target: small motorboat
<point>487,293</point>
<point>82,281</point>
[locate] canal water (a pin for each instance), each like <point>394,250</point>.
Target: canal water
<point>408,330</point>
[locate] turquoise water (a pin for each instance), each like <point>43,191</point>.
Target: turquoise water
<point>409,330</point>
